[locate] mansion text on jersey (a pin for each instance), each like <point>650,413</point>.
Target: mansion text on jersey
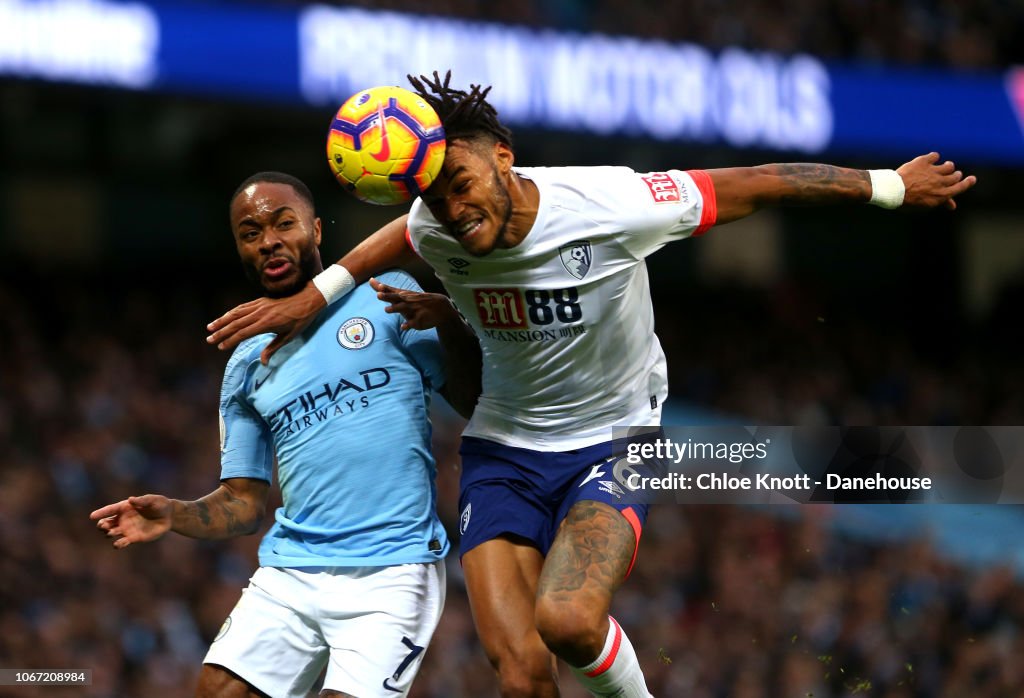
<point>535,335</point>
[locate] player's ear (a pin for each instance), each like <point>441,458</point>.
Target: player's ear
<point>504,157</point>
<point>316,231</point>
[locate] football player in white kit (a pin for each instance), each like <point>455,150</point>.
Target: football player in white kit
<point>547,264</point>
<point>351,578</point>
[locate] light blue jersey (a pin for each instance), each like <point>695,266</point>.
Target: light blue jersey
<point>344,406</point>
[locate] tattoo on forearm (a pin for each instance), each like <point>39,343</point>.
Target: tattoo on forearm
<point>220,514</point>
<point>594,549</point>
<point>229,510</point>
<point>810,183</point>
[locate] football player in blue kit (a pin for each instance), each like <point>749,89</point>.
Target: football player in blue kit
<point>351,580</point>
<point>547,264</point>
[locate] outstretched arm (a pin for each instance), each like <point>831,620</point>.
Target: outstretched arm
<point>740,191</point>
<point>236,508</point>
<point>288,316</point>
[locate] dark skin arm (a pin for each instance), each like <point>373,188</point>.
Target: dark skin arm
<point>236,508</point>
<point>463,359</point>
<point>739,191</point>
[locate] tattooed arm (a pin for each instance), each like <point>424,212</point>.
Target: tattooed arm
<point>236,508</point>
<point>740,191</point>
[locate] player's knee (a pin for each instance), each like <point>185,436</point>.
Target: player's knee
<point>573,630</point>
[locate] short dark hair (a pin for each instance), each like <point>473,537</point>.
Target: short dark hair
<point>464,114</point>
<point>277,178</point>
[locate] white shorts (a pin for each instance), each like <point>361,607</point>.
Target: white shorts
<point>369,627</point>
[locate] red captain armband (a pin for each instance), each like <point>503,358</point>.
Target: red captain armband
<point>709,212</point>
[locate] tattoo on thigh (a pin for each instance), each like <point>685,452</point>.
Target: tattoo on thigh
<point>593,548</point>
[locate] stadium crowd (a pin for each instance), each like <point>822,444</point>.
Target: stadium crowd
<point>107,390</point>
<point>968,34</point>
<point>105,393</point>
<point>816,369</point>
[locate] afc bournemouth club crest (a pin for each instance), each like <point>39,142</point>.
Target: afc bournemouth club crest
<point>355,333</point>
<point>576,257</point>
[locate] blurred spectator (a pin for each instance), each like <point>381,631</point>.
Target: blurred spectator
<point>108,391</point>
<point>105,393</point>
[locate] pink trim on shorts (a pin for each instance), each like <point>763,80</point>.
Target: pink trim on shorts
<point>634,521</point>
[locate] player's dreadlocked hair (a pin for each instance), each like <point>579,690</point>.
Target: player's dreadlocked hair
<point>463,114</point>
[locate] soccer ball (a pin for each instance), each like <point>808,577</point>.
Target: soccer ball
<point>385,145</point>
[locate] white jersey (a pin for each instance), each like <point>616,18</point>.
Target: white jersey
<point>565,318</point>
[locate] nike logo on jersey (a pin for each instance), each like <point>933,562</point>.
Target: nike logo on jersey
<point>595,472</point>
<point>385,146</point>
<point>257,382</point>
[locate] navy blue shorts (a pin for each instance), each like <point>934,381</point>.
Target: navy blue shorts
<point>526,493</point>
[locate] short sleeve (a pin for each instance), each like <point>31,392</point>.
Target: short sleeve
<point>422,346</point>
<point>419,223</point>
<point>246,445</point>
<point>659,207</point>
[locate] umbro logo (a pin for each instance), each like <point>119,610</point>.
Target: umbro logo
<point>458,264</point>
<point>611,488</point>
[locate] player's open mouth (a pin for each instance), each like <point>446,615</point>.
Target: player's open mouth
<point>276,268</point>
<point>466,231</point>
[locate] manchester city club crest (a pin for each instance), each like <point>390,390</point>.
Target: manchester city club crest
<point>576,257</point>
<point>355,333</point>
<point>224,628</point>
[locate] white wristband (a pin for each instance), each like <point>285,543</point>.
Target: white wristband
<point>887,188</point>
<point>334,282</point>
